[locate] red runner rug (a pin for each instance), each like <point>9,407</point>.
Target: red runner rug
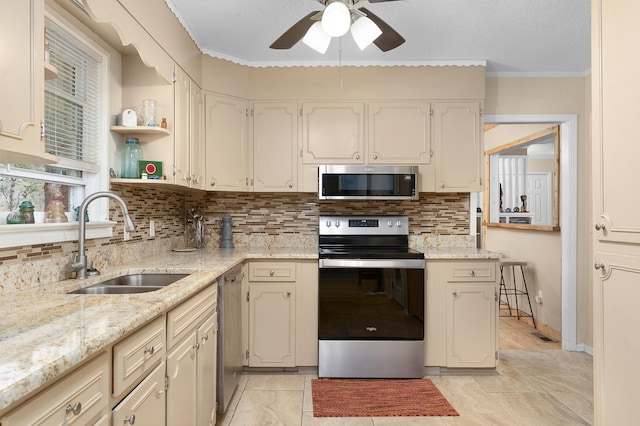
<point>378,398</point>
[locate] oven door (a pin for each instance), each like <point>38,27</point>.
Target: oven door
<point>375,299</point>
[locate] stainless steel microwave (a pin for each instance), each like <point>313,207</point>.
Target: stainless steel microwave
<point>368,183</point>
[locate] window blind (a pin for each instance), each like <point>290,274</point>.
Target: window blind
<point>72,102</point>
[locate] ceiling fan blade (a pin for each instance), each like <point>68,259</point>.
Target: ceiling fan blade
<point>295,33</point>
<point>389,39</point>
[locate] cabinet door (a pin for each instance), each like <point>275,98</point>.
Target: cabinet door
<point>196,147</point>
<point>399,133</point>
<point>615,149</point>
<point>145,404</point>
<point>275,146</point>
<point>22,83</point>
<point>182,373</point>
<point>86,391</point>
<point>457,135</point>
<point>207,335</point>
<point>182,103</point>
<point>333,133</point>
<point>471,325</point>
<point>616,346</point>
<point>272,312</point>
<point>227,144</point>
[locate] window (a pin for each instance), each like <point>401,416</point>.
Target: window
<point>74,105</point>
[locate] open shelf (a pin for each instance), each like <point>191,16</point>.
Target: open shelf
<point>140,130</point>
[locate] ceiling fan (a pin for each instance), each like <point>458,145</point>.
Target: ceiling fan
<point>336,19</point>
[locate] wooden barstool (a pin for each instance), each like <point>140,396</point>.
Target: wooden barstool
<point>524,291</point>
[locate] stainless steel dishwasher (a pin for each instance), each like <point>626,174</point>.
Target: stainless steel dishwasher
<point>229,336</point>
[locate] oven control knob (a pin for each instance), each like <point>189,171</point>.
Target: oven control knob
<point>399,223</point>
<point>328,224</point>
<point>337,224</point>
<point>389,223</point>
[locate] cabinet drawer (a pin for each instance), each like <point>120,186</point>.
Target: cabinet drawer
<point>471,271</point>
<point>138,354</point>
<point>272,271</point>
<point>86,389</point>
<point>146,403</point>
<point>184,319</point>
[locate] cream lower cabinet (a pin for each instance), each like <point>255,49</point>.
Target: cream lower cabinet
<point>191,360</point>
<point>145,405</point>
<point>462,314</point>
<point>81,398</point>
<point>280,314</point>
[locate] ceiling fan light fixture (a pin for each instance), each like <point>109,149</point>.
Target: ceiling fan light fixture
<point>336,19</point>
<point>317,39</point>
<point>364,32</point>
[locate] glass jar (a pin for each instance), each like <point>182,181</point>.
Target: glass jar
<point>131,154</point>
<point>26,212</point>
<point>149,112</point>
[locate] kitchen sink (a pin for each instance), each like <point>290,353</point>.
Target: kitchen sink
<point>131,284</point>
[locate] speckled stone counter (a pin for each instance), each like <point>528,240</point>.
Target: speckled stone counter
<point>46,332</point>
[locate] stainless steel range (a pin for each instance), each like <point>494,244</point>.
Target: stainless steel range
<point>371,298</point>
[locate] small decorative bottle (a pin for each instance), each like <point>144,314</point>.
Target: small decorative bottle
<point>26,212</point>
<point>131,154</point>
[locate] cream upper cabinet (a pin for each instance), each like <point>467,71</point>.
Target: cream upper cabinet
<point>457,139</point>
<point>616,224</point>
<point>462,314</point>
<point>399,133</point>
<point>227,143</point>
<point>22,82</point>
<point>616,152</point>
<point>275,146</point>
<point>189,125</point>
<point>196,140</point>
<point>182,103</point>
<point>333,133</point>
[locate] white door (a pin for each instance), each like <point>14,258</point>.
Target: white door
<point>539,197</point>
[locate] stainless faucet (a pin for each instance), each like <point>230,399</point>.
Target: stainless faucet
<point>79,261</point>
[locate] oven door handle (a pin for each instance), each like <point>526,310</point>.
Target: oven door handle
<point>372,263</point>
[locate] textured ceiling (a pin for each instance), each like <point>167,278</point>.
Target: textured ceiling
<point>513,37</point>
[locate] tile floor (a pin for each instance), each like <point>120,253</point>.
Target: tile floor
<point>541,386</point>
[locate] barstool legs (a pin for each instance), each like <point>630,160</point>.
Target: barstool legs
<point>514,291</point>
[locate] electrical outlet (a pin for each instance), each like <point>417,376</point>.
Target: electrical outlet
<point>152,228</point>
<point>539,297</point>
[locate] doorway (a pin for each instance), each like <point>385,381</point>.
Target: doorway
<point>568,206</point>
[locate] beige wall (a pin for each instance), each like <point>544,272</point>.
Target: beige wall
<point>526,96</point>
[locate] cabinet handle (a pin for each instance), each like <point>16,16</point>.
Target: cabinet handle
<point>196,346</point>
<point>357,156</point>
<point>75,408</point>
<point>150,350</point>
<point>130,419</point>
<point>205,337</point>
<point>188,178</point>
<point>272,272</point>
<point>288,294</point>
<point>442,185</point>
<point>213,183</point>
<point>599,265</point>
<point>455,293</point>
<point>375,156</point>
<point>290,185</point>
<point>600,226</point>
<point>473,273</point>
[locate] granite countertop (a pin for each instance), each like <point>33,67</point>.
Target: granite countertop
<point>46,332</point>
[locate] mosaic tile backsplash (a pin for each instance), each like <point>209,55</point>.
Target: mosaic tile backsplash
<point>276,219</point>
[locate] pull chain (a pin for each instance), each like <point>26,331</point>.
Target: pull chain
<point>340,63</point>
